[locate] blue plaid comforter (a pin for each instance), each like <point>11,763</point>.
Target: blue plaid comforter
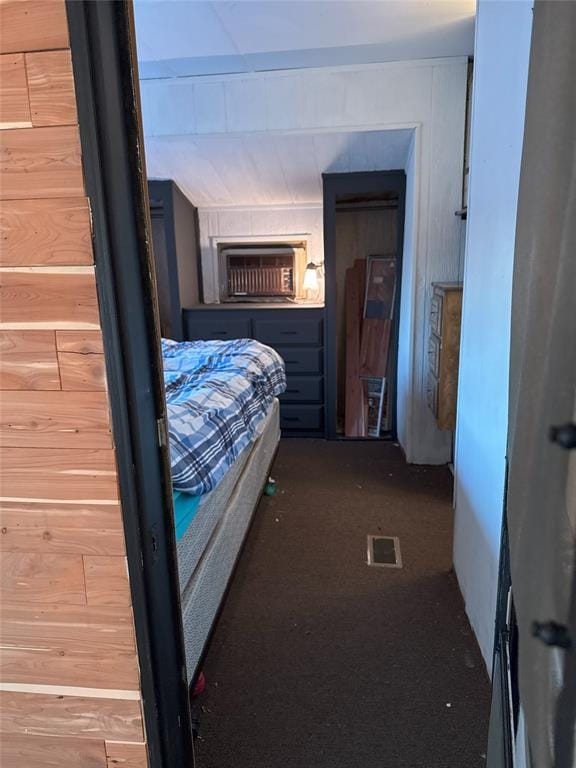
<point>217,393</point>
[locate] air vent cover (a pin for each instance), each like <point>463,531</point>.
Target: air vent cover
<point>384,551</point>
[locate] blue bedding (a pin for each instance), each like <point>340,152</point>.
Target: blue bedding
<point>185,508</point>
<point>217,393</point>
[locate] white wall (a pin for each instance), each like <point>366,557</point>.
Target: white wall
<point>260,221</point>
<point>499,93</point>
<point>426,97</point>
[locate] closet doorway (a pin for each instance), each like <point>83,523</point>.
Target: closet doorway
<point>363,239</point>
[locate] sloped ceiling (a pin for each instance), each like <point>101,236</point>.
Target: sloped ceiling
<point>184,40</point>
<point>194,37</point>
<point>259,170</point>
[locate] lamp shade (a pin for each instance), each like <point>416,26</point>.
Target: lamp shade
<point>311,277</point>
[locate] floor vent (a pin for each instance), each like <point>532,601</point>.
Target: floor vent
<point>384,551</point>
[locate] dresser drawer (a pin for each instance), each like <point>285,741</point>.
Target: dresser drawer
<point>301,359</point>
<point>432,393</point>
<point>288,331</point>
<point>303,389</point>
<point>434,354</point>
<point>301,417</point>
<point>218,327</point>
<point>436,314</point>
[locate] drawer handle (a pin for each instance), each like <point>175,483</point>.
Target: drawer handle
<point>291,391</point>
<point>219,333</point>
<point>292,362</point>
<point>289,333</point>
<point>291,418</point>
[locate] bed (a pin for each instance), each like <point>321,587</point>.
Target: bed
<point>223,418</point>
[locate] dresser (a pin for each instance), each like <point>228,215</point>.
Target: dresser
<point>444,353</point>
<point>175,239</point>
<point>296,332</point>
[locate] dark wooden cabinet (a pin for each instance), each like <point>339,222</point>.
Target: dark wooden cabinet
<point>213,325</point>
<point>301,418</point>
<point>304,389</point>
<point>301,360</point>
<point>175,239</point>
<point>288,330</point>
<point>296,333</point>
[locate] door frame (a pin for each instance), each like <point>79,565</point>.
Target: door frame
<point>102,42</point>
<point>335,184</point>
<point>505,705</point>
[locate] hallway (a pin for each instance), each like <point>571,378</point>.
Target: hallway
<point>321,661</point>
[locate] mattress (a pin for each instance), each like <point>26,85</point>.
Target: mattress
<point>208,551</point>
<point>210,509</point>
<point>217,395</point>
<point>185,509</point>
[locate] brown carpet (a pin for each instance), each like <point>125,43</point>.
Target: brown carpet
<point>319,661</point>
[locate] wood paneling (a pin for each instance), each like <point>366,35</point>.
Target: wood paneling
<point>57,297</point>
<point>124,755</point>
<point>14,106</point>
<point>55,420</point>
<point>32,25</point>
<point>52,474</point>
<point>33,578</point>
<point>17,751</point>
<point>44,162</point>
<point>74,529</point>
<point>28,360</point>
<point>81,361</point>
<point>64,664</point>
<point>92,718</point>
<point>69,673</point>
<point>84,343</point>
<point>73,624</point>
<point>45,232</point>
<point>82,371</point>
<point>106,581</point>
<point>374,346</point>
<point>51,88</point>
<point>75,647</point>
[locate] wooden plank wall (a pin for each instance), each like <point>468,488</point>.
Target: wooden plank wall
<point>69,678</point>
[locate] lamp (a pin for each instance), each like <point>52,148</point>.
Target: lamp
<point>310,282</point>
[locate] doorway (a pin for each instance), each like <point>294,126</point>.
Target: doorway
<point>306,468</point>
<point>363,243</point>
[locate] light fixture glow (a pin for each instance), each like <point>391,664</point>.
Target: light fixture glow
<point>311,277</point>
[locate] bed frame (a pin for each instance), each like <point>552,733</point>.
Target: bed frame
<point>209,550</point>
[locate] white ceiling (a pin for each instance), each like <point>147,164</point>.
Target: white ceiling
<point>180,39</point>
<point>269,170</point>
<point>198,37</point>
